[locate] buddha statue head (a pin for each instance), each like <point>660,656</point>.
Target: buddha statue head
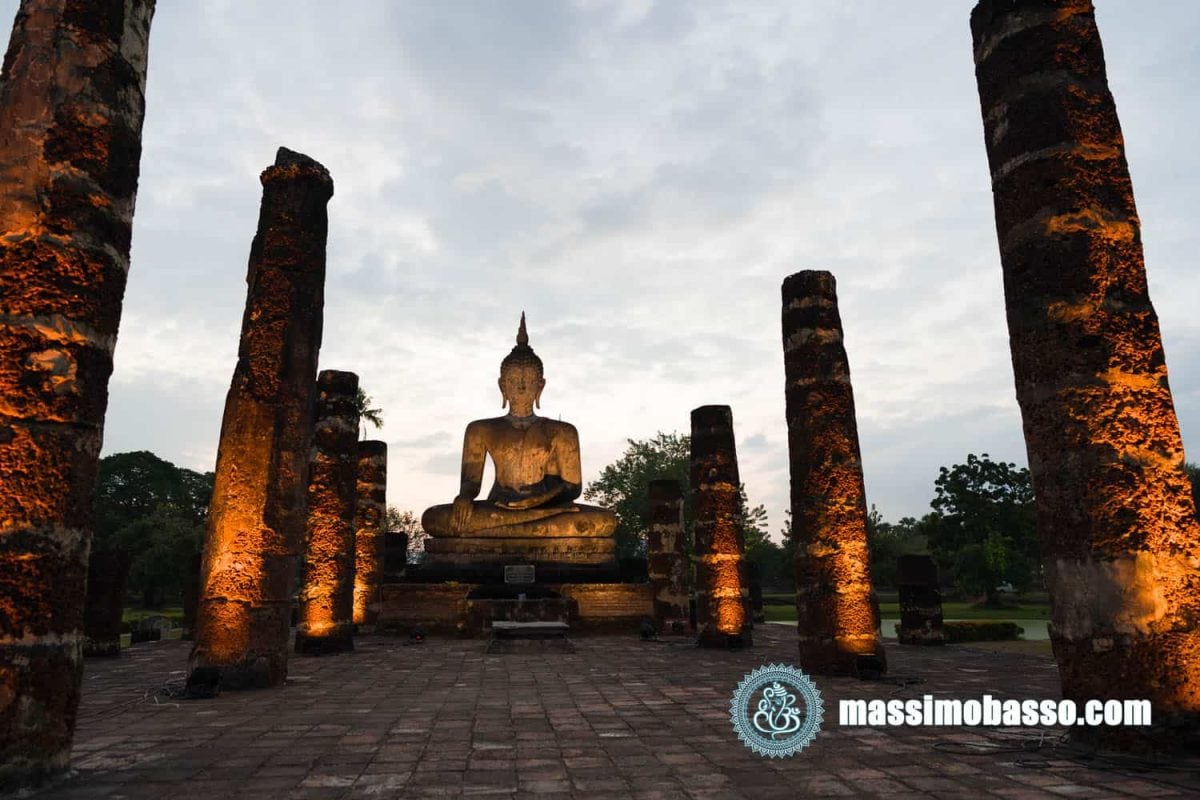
<point>521,377</point>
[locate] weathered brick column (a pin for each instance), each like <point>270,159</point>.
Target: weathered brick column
<point>722,594</point>
<point>667,562</point>
<point>1114,509</point>
<point>370,522</point>
<point>921,619</point>
<point>835,604</point>
<point>191,594</point>
<point>395,555</point>
<point>72,97</point>
<point>105,603</point>
<point>326,620</point>
<point>257,517</point>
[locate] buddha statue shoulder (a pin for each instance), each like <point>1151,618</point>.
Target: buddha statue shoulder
<point>538,476</point>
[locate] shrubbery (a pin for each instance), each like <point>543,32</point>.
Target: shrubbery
<point>982,631</point>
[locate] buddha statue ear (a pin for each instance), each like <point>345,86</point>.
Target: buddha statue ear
<point>503,399</point>
<point>537,398</point>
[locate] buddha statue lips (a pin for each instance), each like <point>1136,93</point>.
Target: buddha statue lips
<point>531,510</point>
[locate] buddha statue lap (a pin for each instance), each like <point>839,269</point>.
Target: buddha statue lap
<point>530,514</point>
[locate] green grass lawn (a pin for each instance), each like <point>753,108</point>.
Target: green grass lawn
<point>953,610</point>
<point>173,613</point>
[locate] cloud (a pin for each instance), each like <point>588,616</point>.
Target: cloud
<point>639,177</point>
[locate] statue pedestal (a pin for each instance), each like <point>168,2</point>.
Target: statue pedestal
<point>468,609</point>
<point>599,551</point>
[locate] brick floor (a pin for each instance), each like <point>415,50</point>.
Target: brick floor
<point>617,718</point>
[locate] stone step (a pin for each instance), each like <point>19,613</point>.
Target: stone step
<point>503,629</point>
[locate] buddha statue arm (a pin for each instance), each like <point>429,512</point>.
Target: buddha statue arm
<point>474,453</point>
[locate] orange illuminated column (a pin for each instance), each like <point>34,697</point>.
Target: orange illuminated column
<point>327,578</point>
<point>722,594</point>
<point>667,562</point>
<point>836,607</point>
<point>369,527</point>
<point>71,105</point>
<point>1114,508</point>
<point>257,517</point>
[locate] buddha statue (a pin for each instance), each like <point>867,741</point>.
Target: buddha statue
<point>530,514</point>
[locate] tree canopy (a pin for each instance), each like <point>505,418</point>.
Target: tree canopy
<point>156,512</point>
<point>624,487</point>
<point>366,413</point>
<point>983,529</point>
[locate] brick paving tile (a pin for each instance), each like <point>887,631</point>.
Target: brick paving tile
<point>617,718</point>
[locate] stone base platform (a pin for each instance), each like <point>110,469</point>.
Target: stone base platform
<point>466,550</point>
<point>459,608</point>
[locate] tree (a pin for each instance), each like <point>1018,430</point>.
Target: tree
<point>362,404</point>
<point>156,512</point>
<point>624,487</point>
<point>983,531</point>
<point>409,523</point>
<point>1193,473</point>
<point>889,541</point>
<point>160,546</point>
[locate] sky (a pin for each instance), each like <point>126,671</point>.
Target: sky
<point>638,177</point>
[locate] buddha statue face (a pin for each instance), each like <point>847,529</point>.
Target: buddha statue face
<point>521,387</point>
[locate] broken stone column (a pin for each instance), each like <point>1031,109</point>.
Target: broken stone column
<point>326,618</point>
<point>920,601</point>
<point>395,555</point>
<point>1114,508</point>
<point>370,523</point>
<point>754,581</point>
<point>722,593</point>
<point>72,97</point>
<point>256,520</point>
<point>667,562</point>
<point>105,603</point>
<point>191,594</point>
<point>836,606</point>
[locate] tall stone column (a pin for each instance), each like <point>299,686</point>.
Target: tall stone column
<point>722,593</point>
<point>327,581</point>
<point>1115,512</point>
<point>257,517</point>
<point>104,606</point>
<point>835,604</point>
<point>920,599</point>
<point>668,565</point>
<point>72,97</point>
<point>370,525</point>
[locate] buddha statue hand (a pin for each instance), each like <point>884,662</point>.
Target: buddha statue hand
<point>460,517</point>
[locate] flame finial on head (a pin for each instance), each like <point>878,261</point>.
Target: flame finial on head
<point>522,353</point>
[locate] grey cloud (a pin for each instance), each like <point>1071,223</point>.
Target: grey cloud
<point>436,439</point>
<point>444,464</point>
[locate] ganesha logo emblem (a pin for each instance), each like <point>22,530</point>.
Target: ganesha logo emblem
<point>776,710</point>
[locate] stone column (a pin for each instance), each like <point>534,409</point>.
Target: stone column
<point>370,522</point>
<point>191,594</point>
<point>722,594</point>
<point>72,97</point>
<point>257,516</point>
<point>105,603</point>
<point>667,562</point>
<point>920,601</point>
<point>836,607</point>
<point>326,619</point>
<point>1115,512</point>
<point>395,555</point>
